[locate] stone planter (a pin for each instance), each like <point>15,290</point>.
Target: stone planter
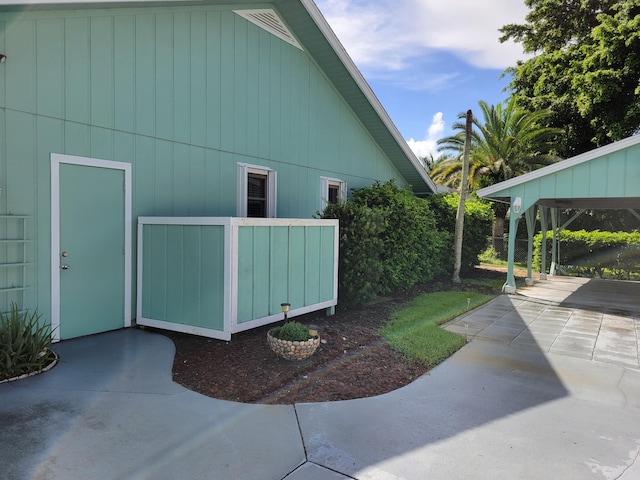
<point>293,350</point>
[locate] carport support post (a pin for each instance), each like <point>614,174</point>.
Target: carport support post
<point>510,286</point>
<point>543,249</point>
<point>529,216</point>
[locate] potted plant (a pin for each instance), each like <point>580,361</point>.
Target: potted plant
<point>293,340</point>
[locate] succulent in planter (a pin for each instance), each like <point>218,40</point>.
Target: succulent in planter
<point>292,341</point>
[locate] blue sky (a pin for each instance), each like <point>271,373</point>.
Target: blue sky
<point>428,60</point>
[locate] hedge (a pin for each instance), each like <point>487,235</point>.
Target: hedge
<point>595,254</point>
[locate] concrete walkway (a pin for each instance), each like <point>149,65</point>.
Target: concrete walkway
<point>519,401</point>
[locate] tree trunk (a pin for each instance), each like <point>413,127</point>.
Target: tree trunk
<point>498,237</point>
<point>464,187</point>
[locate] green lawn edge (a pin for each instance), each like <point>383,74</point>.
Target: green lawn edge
<point>415,330</point>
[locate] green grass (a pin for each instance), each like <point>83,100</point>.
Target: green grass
<point>415,331</point>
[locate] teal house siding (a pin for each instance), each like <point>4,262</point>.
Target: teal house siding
<point>182,94</point>
<point>214,276</point>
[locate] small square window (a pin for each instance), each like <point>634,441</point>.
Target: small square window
<point>332,191</point>
<point>256,192</point>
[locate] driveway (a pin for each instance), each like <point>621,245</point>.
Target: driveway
<point>512,404</point>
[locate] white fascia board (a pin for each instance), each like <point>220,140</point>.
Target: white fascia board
<point>562,165</point>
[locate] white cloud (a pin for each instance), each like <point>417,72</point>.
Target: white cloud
<point>428,146</point>
<point>390,34</point>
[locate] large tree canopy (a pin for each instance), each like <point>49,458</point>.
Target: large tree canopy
<point>585,68</point>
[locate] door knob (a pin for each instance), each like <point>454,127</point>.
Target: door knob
<point>64,266</point>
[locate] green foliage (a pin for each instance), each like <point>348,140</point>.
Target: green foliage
<point>415,332</point>
<point>22,342</point>
<point>391,240</point>
<point>478,218</point>
<point>585,68</point>
<point>292,332</point>
<point>411,241</point>
<point>360,251</point>
<point>596,253</point>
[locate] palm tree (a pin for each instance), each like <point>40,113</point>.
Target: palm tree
<point>507,141</point>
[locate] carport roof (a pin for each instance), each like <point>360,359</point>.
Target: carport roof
<point>604,178</point>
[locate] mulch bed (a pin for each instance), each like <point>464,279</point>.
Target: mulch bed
<point>351,362</point>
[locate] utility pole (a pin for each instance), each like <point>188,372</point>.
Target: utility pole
<point>464,187</point>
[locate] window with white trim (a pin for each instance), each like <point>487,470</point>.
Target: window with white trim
<point>256,191</point>
<point>332,190</point>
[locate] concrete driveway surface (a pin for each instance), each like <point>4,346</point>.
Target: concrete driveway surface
<point>523,400</point>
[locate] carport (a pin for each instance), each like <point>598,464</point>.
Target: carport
<point>605,178</point>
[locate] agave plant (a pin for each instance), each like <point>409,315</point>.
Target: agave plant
<point>23,343</point>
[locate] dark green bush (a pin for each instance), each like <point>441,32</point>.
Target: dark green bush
<point>292,332</point>
<point>478,219</point>
<point>360,251</point>
<point>594,254</point>
<point>412,243</point>
<point>23,342</point>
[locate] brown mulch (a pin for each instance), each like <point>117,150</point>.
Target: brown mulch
<point>351,362</point>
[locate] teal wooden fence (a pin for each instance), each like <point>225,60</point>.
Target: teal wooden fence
<point>215,276</point>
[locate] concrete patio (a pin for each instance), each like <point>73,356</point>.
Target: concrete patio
<point>524,399</point>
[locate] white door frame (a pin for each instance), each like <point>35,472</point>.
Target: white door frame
<point>56,160</point>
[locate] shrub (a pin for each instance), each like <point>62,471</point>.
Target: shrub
<point>595,254</point>
<point>360,251</point>
<point>412,243</point>
<point>292,332</point>
<point>22,343</point>
<point>477,228</point>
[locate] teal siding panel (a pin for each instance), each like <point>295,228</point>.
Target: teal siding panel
<point>181,180</point>
<point>245,274</point>
<point>182,77</point>
<point>3,159</point>
<point>327,263</point>
<point>163,179</point>
<point>50,68</point>
<point>564,180</point>
<point>227,82</point>
<point>275,126</point>
<point>77,139</point>
<point>213,185</point>
<point>3,76</point>
<point>102,66</point>
<point>143,175</point>
<point>260,271</point>
<point>632,178</point>
<point>212,273</point>
<point>164,73</point>
<point>175,261</point>
<point>580,181</point>
<point>124,147</point>
<point>296,267</point>
<point>102,143</point>
<point>284,110</point>
<point>191,285</point>
<point>252,88</point>
<point>21,77</point>
<point>263,113</point>
<point>20,163</point>
<point>599,176</point>
<point>198,88</point>
<point>240,88</point>
<point>279,266</point>
<point>77,70</point>
<point>145,96</point>
<point>214,74</point>
<point>312,266</point>
<point>197,187</point>
<point>124,73</point>
<point>156,271</point>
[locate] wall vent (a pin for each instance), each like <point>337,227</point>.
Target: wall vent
<point>270,21</point>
